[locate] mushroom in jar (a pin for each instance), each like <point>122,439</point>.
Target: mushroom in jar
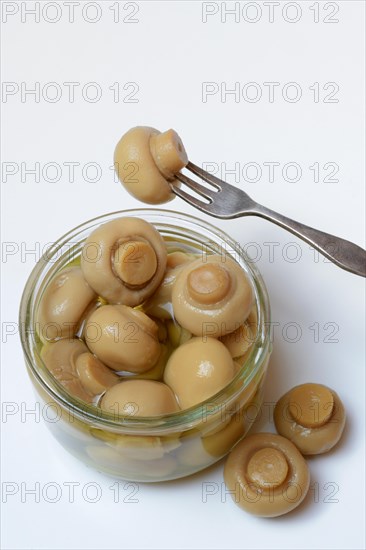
<point>212,296</point>
<point>240,341</point>
<point>63,305</point>
<point>60,359</point>
<point>123,338</point>
<point>139,398</point>
<point>159,304</point>
<point>266,475</point>
<point>178,257</point>
<point>146,161</point>
<point>94,376</point>
<point>197,370</point>
<point>124,260</point>
<point>220,442</point>
<point>312,416</point>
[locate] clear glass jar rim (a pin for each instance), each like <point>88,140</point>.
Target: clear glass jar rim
<point>187,417</point>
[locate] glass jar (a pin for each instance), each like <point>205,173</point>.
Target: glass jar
<point>149,448</point>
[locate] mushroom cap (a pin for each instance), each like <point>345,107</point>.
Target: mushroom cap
<point>312,416</point>
<point>123,338</point>
<point>266,475</point>
<point>145,161</point>
<point>62,305</point>
<point>212,296</point>
<point>197,370</point>
<point>139,398</point>
<point>124,247</point>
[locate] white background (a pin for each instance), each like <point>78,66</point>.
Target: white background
<point>169,53</point>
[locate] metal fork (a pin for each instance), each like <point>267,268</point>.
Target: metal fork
<point>226,201</point>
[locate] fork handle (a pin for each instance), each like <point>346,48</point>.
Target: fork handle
<point>343,253</point>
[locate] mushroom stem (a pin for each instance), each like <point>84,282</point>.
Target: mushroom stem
<point>135,262</point>
<point>268,468</point>
<point>168,153</point>
<point>311,405</point>
<point>208,284</point>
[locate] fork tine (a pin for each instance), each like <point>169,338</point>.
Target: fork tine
<point>215,182</point>
<point>195,186</point>
<point>188,198</point>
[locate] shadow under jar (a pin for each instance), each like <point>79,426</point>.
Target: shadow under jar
<point>150,448</point>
